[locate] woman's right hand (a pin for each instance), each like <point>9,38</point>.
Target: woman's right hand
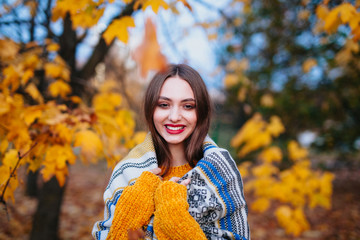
<point>184,182</point>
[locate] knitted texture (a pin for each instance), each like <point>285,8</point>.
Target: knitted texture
<point>135,206</point>
<point>172,219</point>
<point>214,197</point>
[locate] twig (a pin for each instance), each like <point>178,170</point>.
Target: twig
<point>12,174</point>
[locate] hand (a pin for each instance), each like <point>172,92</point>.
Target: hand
<point>184,182</point>
<point>136,234</point>
<point>156,171</point>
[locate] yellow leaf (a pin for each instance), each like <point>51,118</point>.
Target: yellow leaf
<point>107,102</point>
<point>260,205</point>
<point>31,61</point>
<point>88,18</point>
<point>62,133</point>
<point>332,20</point>
<point>55,164</point>
<point>32,113</point>
<point>11,78</point>
<point>76,99</point>
<point>59,88</point>
<point>296,152</point>
<point>29,73</point>
<point>244,169</point>
<point>53,70</point>
<point>13,183</point>
<point>118,28</point>
<point>231,80</point>
<point>347,12</point>
<point>60,155</point>
<point>275,126</point>
<point>271,154</point>
<point>4,104</point>
<point>8,50</point>
<point>322,11</point>
<point>11,158</point>
<point>32,90</point>
<point>4,175</point>
<point>4,145</point>
<point>264,170</point>
<point>90,144</point>
<point>19,135</point>
<point>155,5</point>
<point>262,139</point>
<point>148,54</point>
<point>267,100</point>
<point>252,127</point>
<point>53,47</point>
<point>61,176</point>
<point>309,64</point>
<point>126,123</point>
<point>300,218</point>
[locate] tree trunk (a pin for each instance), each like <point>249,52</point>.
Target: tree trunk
<point>46,219</point>
<point>31,184</point>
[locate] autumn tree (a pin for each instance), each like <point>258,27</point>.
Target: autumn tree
<point>286,65</point>
<point>45,124</point>
<point>298,60</point>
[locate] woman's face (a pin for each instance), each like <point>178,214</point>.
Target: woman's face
<point>175,114</point>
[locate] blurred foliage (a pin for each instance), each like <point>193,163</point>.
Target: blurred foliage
<point>298,60</point>
<point>290,66</point>
<point>51,112</point>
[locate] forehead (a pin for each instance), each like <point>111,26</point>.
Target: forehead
<point>175,87</point>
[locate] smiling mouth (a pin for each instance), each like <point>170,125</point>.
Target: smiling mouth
<point>174,128</point>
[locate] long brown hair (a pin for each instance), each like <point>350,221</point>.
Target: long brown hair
<point>193,144</point>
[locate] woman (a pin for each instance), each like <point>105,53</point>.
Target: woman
<point>145,193</point>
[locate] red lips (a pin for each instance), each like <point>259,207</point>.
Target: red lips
<point>174,128</point>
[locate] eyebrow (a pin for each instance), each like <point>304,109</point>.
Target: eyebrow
<point>184,100</point>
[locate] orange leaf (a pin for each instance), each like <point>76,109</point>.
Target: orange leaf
<point>186,4</point>
<point>59,88</point>
<point>155,5</point>
<point>309,64</point>
<point>32,90</point>
<point>90,143</point>
<point>148,54</point>
<point>118,29</point>
<point>10,159</point>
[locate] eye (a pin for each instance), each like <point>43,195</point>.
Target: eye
<point>189,106</point>
<point>163,105</point>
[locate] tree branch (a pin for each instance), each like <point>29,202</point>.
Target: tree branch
<point>12,174</point>
<point>101,48</point>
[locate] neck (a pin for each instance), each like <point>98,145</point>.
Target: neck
<point>177,155</point>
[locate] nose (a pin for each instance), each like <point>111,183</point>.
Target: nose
<point>174,114</point>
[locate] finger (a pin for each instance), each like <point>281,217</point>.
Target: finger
<point>185,182</point>
<point>135,234</point>
<point>156,171</point>
<point>174,179</point>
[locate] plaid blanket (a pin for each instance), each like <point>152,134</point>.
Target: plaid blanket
<point>215,193</point>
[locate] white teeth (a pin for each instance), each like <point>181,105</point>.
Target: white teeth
<point>174,128</point>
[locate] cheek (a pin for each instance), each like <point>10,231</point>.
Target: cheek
<point>191,117</point>
<point>158,116</point>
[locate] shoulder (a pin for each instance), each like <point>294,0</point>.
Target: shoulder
<point>141,158</point>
